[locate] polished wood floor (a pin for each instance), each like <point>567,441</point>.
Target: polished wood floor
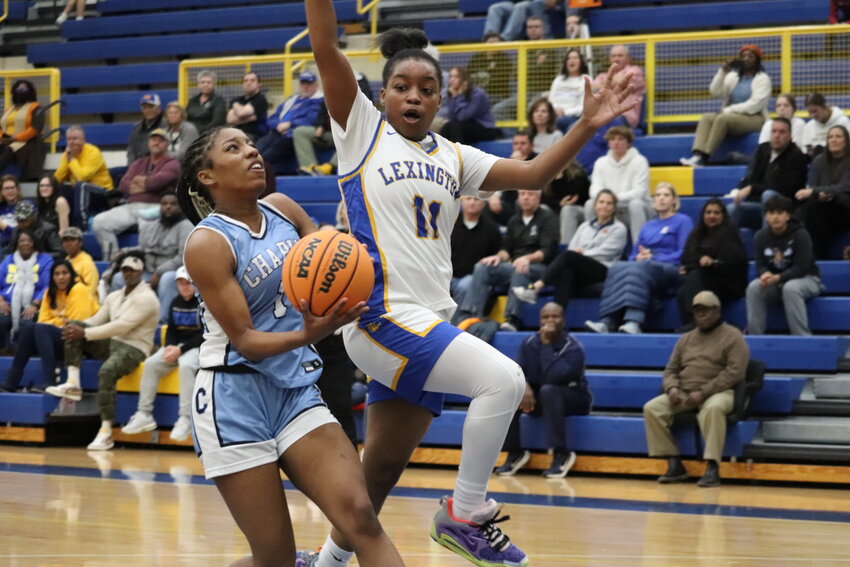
<point>133,507</point>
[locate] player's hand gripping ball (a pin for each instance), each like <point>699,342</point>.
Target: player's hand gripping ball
<point>325,267</point>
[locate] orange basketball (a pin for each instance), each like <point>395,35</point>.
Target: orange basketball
<point>326,266</point>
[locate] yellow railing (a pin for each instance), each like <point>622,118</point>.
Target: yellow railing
<point>47,84</point>
<point>5,13</point>
<point>678,67</point>
<point>372,8</point>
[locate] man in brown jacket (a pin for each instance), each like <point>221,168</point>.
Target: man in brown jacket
<point>700,376</point>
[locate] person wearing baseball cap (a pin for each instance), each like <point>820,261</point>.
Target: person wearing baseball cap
<point>301,109</point>
<point>700,377</point>
<point>45,234</point>
<point>183,339</point>
<point>152,118</point>
<point>82,262</point>
<point>120,334</point>
<point>745,89</point>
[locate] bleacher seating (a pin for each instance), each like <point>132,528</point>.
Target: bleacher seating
<point>120,75</point>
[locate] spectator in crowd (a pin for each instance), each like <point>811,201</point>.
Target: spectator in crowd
<point>785,267</point>
<point>527,247</point>
<point>153,118</point>
<point>52,207</point>
<point>23,280</point>
<point>786,107</point>
<point>745,89</point>
<point>501,206</point>
<point>624,171</point>
<point>181,133</point>
<point>631,288</point>
<point>66,298</point>
<point>508,18</point>
<point>20,131</point>
<point>825,201</point>
<point>250,111</point>
<point>120,334</point>
<point>823,117</point>
<point>10,196</point>
<point>552,361</point>
<point>836,8</point>
<point>83,168</point>
<point>541,124</point>
<point>301,109</point>
<point>162,242</point>
<point>81,261</point>
<point>183,338</point>
<point>567,92</point>
<point>714,259</point>
<point>45,234</point>
<point>474,237</point>
<point>470,118</point>
<point>594,248</point>
<point>619,54</point>
<point>566,196</point>
<point>700,376</point>
<point>206,109</point>
<point>576,28</point>
<point>80,5</point>
<point>777,167</point>
<point>143,185</point>
<point>492,70</point>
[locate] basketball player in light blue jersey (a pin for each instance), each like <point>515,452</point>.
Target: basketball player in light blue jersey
<point>402,186</point>
<point>256,407</point>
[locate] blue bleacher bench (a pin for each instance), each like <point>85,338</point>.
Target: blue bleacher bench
<point>119,75</point>
<point>116,102</point>
<point>122,6</point>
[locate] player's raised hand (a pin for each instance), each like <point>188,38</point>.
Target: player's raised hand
<point>613,99</point>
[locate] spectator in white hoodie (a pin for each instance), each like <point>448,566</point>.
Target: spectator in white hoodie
<point>625,172</point>
<point>823,118</point>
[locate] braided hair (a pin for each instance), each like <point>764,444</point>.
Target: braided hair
<point>195,199</point>
<point>398,45</point>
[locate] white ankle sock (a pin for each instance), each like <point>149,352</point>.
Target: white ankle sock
<point>74,376</point>
<point>106,426</point>
<point>333,555</point>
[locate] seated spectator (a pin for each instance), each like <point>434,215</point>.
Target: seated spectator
<point>836,7</point>
<point>632,288</point>
<point>82,262</point>
<point>301,109</point>
<point>470,119</point>
<point>20,132</point>
<point>501,206</point>
<point>555,387</point>
<point>250,111</point>
<point>567,92</point>
<point>162,242</point>
<point>307,139</point>
<point>541,124</point>
<point>66,298</point>
<point>527,247</point>
<point>23,280</point>
<point>566,196</point>
<point>10,196</point>
<point>823,118</point>
<point>183,338</point>
<point>576,28</point>
<point>206,109</point>
<point>492,70</point>
<point>714,259</point>
<point>120,334</point>
<point>143,185</point>
<point>777,167</point>
<point>825,201</point>
<point>508,18</point>
<point>700,376</point>
<point>619,55</point>
<point>596,245</point>
<point>624,171</point>
<point>786,270</point>
<point>80,5</point>
<point>83,168</point>
<point>181,133</point>
<point>745,89</point>
<point>786,107</point>
<point>53,208</point>
<point>153,118</point>
<point>45,234</point>
<point>474,237</point>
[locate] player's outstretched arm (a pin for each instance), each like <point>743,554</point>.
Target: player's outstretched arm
<point>338,82</point>
<point>612,100</point>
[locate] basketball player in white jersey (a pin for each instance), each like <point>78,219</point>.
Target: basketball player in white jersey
<point>402,186</point>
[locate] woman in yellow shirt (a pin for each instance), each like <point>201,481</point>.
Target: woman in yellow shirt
<point>66,299</point>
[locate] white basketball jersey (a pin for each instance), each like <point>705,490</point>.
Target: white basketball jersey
<point>403,200</point>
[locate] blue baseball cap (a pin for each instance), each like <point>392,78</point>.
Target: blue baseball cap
<point>307,77</point>
<point>150,98</point>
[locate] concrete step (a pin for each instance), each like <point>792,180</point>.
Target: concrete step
<point>763,450</point>
<point>808,429</point>
<point>837,386</point>
<point>825,407</point>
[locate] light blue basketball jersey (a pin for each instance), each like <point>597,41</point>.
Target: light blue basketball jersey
<point>259,267</point>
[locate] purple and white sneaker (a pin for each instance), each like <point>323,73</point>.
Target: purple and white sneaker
<point>477,540</point>
<point>306,558</point>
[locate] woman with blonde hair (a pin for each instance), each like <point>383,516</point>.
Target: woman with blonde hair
<point>180,132</point>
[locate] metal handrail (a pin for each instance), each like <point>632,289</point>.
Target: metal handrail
<point>373,8</point>
<point>5,11</point>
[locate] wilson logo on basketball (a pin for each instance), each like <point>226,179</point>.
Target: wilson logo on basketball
<point>307,258</point>
<point>337,263</point>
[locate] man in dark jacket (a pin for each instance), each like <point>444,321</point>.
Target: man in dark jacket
<point>786,268</point>
<point>777,167</point>
<point>474,237</point>
<point>553,364</point>
<point>46,235</point>
<point>152,118</point>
